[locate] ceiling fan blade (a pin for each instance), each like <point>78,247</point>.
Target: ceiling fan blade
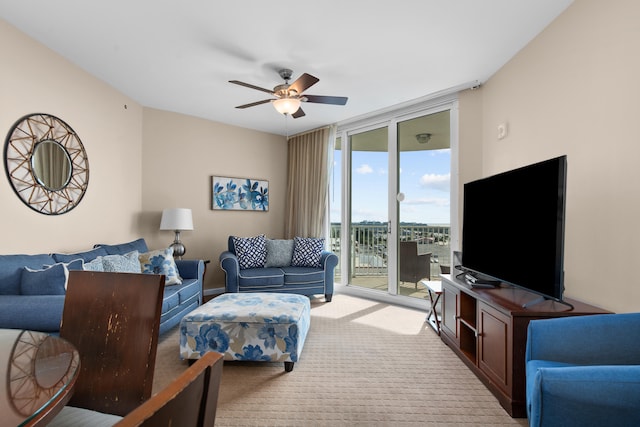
<point>303,83</point>
<point>253,104</point>
<point>334,100</point>
<point>298,113</point>
<point>251,86</point>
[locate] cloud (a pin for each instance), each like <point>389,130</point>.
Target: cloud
<point>364,169</point>
<point>432,201</point>
<point>436,182</point>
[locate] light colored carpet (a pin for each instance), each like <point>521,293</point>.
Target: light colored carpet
<point>364,363</point>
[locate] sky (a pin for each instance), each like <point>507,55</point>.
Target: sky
<point>424,179</point>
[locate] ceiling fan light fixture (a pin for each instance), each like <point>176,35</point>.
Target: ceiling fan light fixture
<point>286,105</point>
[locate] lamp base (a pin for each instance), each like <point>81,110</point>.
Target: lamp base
<point>178,248</point>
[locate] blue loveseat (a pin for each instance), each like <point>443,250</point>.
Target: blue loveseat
<point>277,274</point>
<point>33,300</point>
<point>584,371</point>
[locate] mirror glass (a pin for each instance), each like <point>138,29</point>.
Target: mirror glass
<point>51,165</point>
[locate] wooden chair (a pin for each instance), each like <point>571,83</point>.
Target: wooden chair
<point>189,401</point>
<point>113,320</point>
<point>413,266</point>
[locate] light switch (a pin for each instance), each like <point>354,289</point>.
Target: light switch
<point>502,130</point>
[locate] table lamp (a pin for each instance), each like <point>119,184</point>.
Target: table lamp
<point>177,219</point>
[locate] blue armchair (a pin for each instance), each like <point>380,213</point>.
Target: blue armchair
<point>584,371</point>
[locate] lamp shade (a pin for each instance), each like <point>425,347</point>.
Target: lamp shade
<point>286,105</point>
<point>176,219</point>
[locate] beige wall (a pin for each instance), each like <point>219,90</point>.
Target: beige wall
<point>34,79</point>
<point>574,90</point>
<point>141,161</point>
<point>181,153</point>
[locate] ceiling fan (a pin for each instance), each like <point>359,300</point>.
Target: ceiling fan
<point>290,96</point>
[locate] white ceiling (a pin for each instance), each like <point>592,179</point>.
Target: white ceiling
<point>179,55</point>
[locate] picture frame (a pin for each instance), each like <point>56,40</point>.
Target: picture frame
<point>239,194</point>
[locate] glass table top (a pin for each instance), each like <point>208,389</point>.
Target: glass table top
<point>36,368</point>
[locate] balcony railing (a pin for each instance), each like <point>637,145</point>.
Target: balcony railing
<point>369,246</point>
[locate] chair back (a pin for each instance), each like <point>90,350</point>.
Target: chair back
<point>113,321</point>
<point>413,266</point>
<point>189,401</point>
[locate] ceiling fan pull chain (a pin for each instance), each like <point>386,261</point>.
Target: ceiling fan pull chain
<point>286,126</point>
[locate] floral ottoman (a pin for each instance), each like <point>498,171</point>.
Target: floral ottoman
<point>261,326</point>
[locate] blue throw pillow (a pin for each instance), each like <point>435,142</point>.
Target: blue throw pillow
<point>251,251</point>
<point>49,281</point>
<point>307,252</point>
<point>279,253</point>
<point>127,263</point>
<point>161,262</point>
<point>139,245</point>
<point>86,255</point>
<point>76,264</point>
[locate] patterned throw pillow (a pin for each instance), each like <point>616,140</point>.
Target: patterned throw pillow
<point>127,263</point>
<point>307,252</point>
<point>251,251</point>
<point>94,265</point>
<point>161,262</point>
<point>49,281</point>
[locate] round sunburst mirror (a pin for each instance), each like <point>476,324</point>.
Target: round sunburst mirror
<point>46,164</point>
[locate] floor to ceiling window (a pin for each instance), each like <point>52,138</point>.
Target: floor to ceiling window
<point>391,202</point>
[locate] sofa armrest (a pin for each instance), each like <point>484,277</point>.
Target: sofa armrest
<point>190,268</point>
<point>585,340</point>
<point>586,395</point>
<point>329,261</point>
<point>229,263</point>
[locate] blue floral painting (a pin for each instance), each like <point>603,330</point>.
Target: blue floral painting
<point>239,194</point>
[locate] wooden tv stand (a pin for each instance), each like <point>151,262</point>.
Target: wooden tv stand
<point>487,329</point>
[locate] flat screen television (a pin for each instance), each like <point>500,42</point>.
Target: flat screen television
<point>513,227</point>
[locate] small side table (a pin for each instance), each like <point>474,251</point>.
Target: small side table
<point>204,273</point>
<point>434,288</point>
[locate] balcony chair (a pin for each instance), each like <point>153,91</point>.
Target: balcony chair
<point>189,401</point>
<point>113,320</point>
<point>584,371</point>
<point>413,266</point>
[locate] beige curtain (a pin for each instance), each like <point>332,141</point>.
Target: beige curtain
<point>308,184</point>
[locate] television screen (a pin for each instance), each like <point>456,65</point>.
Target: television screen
<point>513,227</point>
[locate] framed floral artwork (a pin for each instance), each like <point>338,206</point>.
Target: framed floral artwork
<point>239,194</point>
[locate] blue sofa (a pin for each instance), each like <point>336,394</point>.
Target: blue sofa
<point>584,371</point>
<point>28,301</point>
<point>279,276</point>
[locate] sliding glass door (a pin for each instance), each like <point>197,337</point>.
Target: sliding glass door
<point>424,200</point>
<point>390,217</point>
<point>369,212</point>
